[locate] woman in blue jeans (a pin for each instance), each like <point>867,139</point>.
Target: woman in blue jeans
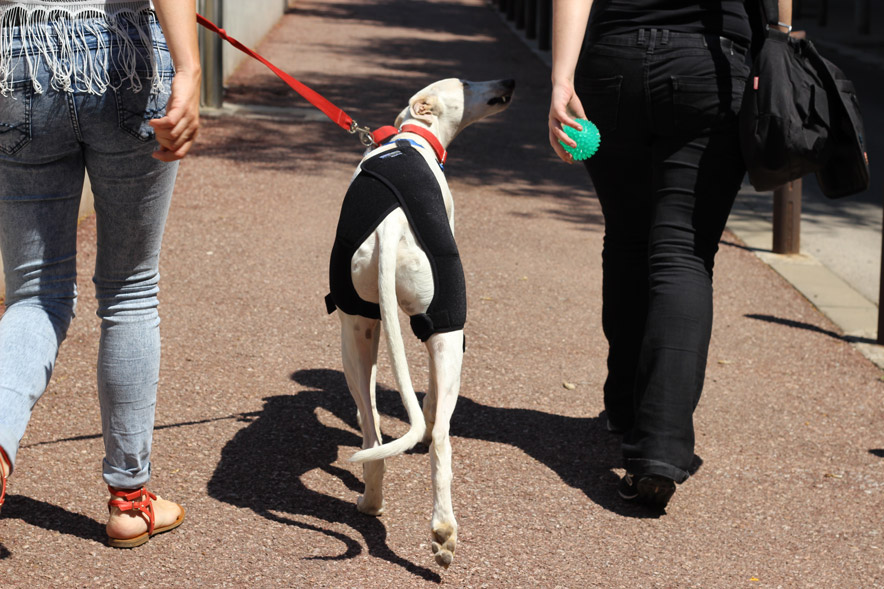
<point>92,86</point>
<point>663,81</point>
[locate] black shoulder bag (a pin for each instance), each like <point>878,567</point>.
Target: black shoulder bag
<point>800,114</point>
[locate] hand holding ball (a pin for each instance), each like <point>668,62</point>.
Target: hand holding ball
<point>587,140</point>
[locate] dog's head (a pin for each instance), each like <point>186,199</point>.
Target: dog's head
<point>448,106</point>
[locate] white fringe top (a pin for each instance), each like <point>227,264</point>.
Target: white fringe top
<point>56,33</point>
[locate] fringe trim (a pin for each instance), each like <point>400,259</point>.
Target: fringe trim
<point>57,34</point>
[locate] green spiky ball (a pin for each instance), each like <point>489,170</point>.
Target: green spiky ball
<point>587,140</point>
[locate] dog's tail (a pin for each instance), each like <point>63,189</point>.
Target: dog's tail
<point>387,252</point>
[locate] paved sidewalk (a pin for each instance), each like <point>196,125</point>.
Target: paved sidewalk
<point>255,422</point>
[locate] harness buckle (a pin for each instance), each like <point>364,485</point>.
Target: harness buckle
<point>364,134</point>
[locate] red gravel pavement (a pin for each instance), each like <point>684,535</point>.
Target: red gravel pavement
<point>255,423</point>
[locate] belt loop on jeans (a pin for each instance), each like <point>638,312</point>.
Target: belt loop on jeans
<point>641,37</point>
<point>652,43</point>
<point>665,40</point>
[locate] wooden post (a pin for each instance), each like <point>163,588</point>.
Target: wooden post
<point>787,218</point>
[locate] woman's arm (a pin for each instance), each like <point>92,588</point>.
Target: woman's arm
<point>177,130</point>
<point>785,8</point>
<point>569,27</point>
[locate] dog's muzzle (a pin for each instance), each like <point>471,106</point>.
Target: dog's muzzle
<point>500,99</point>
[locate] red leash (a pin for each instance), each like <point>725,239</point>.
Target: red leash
<point>338,116</point>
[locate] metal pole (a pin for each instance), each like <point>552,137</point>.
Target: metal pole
<point>787,218</point>
<point>544,24</point>
<point>861,16</point>
<point>519,8</point>
<point>211,55</point>
<point>531,19</point>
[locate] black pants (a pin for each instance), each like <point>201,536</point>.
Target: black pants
<point>666,175</point>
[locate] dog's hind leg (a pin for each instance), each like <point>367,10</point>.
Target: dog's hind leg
<point>446,360</point>
<point>359,348</point>
<point>429,406</point>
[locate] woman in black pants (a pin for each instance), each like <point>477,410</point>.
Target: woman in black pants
<point>663,81</point>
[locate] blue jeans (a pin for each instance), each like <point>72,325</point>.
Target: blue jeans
<point>666,175</point>
<point>48,141</point>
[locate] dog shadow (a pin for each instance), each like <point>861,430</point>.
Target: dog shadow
<point>50,517</point>
<point>262,469</point>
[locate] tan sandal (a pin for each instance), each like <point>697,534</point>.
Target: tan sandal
<point>140,500</point>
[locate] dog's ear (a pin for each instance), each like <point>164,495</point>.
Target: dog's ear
<point>398,122</point>
<point>425,107</point>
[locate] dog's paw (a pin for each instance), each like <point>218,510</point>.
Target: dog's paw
<point>444,543</point>
<point>369,508</point>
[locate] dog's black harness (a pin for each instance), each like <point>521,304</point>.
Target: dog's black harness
<point>399,178</point>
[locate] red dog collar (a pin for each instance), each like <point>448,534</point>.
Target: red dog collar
<point>384,134</point>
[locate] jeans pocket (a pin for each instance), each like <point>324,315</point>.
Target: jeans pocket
<point>15,118</point>
<point>135,109</point>
<point>601,100</point>
<point>706,102</point>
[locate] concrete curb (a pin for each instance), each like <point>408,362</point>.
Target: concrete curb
<point>855,315</point>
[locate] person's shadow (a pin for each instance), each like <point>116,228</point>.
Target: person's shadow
<point>262,466</point>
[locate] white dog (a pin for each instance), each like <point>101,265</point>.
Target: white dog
<point>395,247</point>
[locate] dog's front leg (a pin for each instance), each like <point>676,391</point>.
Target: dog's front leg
<point>359,348</point>
<point>446,361</point>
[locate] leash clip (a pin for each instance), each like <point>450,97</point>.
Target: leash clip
<point>365,135</point>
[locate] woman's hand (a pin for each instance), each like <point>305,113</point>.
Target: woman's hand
<point>177,131</point>
<point>564,107</point>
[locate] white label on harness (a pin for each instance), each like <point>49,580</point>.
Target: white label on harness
<point>394,153</point>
